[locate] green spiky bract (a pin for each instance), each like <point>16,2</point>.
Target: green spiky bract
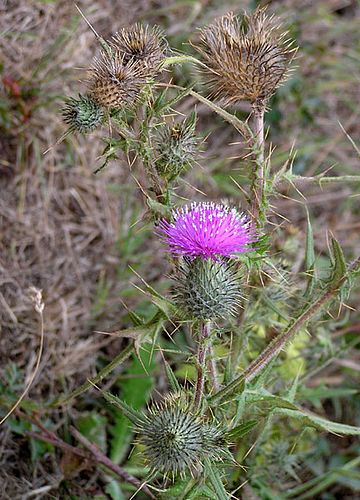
<point>176,147</point>
<point>175,439</point>
<point>207,289</point>
<point>83,114</point>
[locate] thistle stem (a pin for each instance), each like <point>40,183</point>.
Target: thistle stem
<point>201,357</point>
<point>259,174</point>
<point>212,370</point>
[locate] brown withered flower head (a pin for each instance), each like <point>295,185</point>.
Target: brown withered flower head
<point>141,43</point>
<point>246,58</point>
<point>114,82</point>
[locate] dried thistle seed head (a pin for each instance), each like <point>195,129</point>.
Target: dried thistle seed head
<point>175,439</point>
<point>207,289</point>
<point>113,84</point>
<point>141,43</point>
<point>246,58</point>
<point>175,148</point>
<point>83,114</point>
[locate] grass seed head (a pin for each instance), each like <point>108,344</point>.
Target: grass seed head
<point>207,289</point>
<point>113,83</point>
<point>176,440</point>
<point>83,114</point>
<point>247,58</point>
<point>142,44</point>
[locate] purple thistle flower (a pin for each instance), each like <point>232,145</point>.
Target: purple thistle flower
<point>207,230</point>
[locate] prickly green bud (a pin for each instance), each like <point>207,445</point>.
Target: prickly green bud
<point>176,147</point>
<point>207,289</point>
<point>82,114</point>
<point>175,439</point>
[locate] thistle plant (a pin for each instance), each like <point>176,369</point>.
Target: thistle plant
<point>227,285</point>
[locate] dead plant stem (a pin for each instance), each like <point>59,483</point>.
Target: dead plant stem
<point>259,173</point>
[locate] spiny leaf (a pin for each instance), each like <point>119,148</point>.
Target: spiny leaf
<point>174,384</point>
<point>318,422</point>
<point>240,430</point>
<point>133,415</point>
<point>237,386</point>
<point>309,257</point>
<point>339,264</point>
<point>215,479</point>
<point>293,389</point>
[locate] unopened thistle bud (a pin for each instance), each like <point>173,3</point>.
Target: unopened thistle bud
<point>141,43</point>
<point>113,83</point>
<point>83,114</point>
<point>246,58</point>
<point>176,147</point>
<point>207,290</point>
<point>176,440</point>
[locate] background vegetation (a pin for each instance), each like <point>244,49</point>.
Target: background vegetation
<point>66,231</point>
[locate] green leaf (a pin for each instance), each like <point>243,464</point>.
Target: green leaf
<point>235,387</point>
<point>134,416</point>
<point>293,389</point>
<point>213,474</point>
<point>179,60</point>
<point>114,490</point>
<point>239,125</point>
<point>339,265</point>
<point>309,257</point>
<point>135,393</point>
<point>270,400</point>
<point>318,422</point>
<point>93,427</point>
<point>240,430</point>
<point>174,384</point>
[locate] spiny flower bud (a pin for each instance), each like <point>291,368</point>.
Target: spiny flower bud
<point>113,83</point>
<point>141,43</point>
<point>206,289</point>
<point>175,439</point>
<point>176,147</point>
<point>83,114</point>
<point>246,58</point>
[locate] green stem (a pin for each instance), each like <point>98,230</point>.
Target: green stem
<point>201,357</point>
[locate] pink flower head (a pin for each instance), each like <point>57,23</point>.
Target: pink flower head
<point>207,230</point>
